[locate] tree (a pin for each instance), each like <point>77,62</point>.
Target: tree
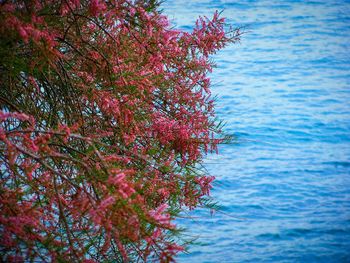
<point>105,115</point>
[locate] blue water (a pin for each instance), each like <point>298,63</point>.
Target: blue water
<point>284,91</point>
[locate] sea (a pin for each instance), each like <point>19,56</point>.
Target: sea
<point>283,183</point>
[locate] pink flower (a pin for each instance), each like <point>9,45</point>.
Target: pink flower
<point>96,7</point>
<point>117,179</point>
<point>23,33</point>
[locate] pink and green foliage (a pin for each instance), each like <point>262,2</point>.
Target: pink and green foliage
<point>105,114</point>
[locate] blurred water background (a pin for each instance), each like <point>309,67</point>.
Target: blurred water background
<point>285,94</point>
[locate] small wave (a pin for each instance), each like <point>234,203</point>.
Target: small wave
<point>338,163</point>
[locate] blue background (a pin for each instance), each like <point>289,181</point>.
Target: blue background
<point>284,91</point>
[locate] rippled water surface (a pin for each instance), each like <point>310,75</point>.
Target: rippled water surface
<point>285,93</point>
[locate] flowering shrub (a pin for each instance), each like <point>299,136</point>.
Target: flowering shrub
<point>105,113</point>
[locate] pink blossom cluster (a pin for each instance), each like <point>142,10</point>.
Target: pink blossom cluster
<point>105,114</point>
